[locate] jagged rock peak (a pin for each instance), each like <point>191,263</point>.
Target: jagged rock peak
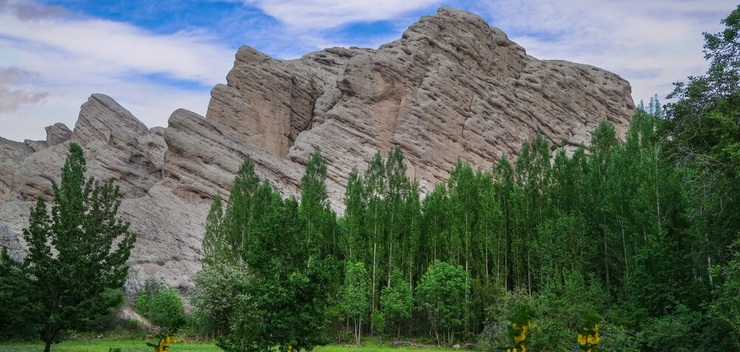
<point>57,133</point>
<point>100,116</point>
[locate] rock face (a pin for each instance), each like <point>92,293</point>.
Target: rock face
<point>451,87</point>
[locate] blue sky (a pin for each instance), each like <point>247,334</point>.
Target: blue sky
<point>154,56</point>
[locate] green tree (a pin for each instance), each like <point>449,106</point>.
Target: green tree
<point>282,299</point>
<point>233,232</point>
<point>75,271</point>
<point>354,295</point>
<point>726,304</point>
<point>443,294</point>
<point>351,240</point>
<point>14,304</point>
<point>702,134</point>
<point>397,301</point>
<point>218,292</point>
<point>163,306</point>
<point>435,245</point>
<point>375,222</point>
<point>315,209</point>
<point>214,250</point>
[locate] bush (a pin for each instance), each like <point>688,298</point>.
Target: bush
<point>163,307</point>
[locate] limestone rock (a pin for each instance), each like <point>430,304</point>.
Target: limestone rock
<point>57,133</point>
<point>100,116</point>
<point>116,145</point>
<point>451,86</point>
<point>11,155</point>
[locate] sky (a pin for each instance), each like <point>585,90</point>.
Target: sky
<point>155,56</point>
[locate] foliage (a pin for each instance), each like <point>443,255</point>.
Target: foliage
<point>588,334</point>
<point>563,302</point>
<point>14,304</point>
<point>218,289</point>
<point>443,294</point>
<point>264,256</point>
<point>163,306</point>
<point>726,305</point>
<point>519,324</point>
<point>73,273</point>
<point>354,295</point>
<point>396,301</point>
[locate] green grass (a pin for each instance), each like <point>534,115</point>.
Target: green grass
<point>103,346</point>
<point>139,346</point>
<point>335,348</point>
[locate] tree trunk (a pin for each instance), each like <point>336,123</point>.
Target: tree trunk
<point>48,337</point>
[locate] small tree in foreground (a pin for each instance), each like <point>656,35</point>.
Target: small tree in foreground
<point>443,294</point>
<point>163,307</point>
<point>397,301</point>
<point>74,272</point>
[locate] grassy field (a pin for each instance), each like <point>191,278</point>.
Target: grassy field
<point>103,346</point>
<point>140,346</point>
<point>134,342</point>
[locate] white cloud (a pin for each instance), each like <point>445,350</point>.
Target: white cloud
<point>12,98</point>
<point>326,14</point>
<point>74,57</point>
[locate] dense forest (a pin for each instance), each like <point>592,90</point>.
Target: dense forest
<point>639,231</point>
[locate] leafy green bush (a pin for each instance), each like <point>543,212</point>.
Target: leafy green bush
<point>443,293</point>
<point>163,307</point>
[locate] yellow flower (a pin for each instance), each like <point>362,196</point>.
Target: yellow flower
<point>520,337</point>
<point>524,348</point>
<point>593,339</point>
<point>582,339</point>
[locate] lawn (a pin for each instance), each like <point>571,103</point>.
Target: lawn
<point>140,346</point>
<point>103,346</point>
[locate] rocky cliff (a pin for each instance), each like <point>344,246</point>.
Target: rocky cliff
<point>451,86</point>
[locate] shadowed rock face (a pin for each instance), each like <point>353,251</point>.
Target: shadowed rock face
<point>451,87</point>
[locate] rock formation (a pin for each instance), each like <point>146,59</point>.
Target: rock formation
<point>451,87</point>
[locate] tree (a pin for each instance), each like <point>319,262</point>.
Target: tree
<point>315,209</point>
<point>354,296</point>
<point>351,241</point>
<point>216,298</point>
<point>443,294</point>
<point>397,301</point>
<point>163,307</point>
<point>702,134</point>
<point>75,272</point>
<point>14,304</point>
<point>265,285</point>
<point>726,305</point>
